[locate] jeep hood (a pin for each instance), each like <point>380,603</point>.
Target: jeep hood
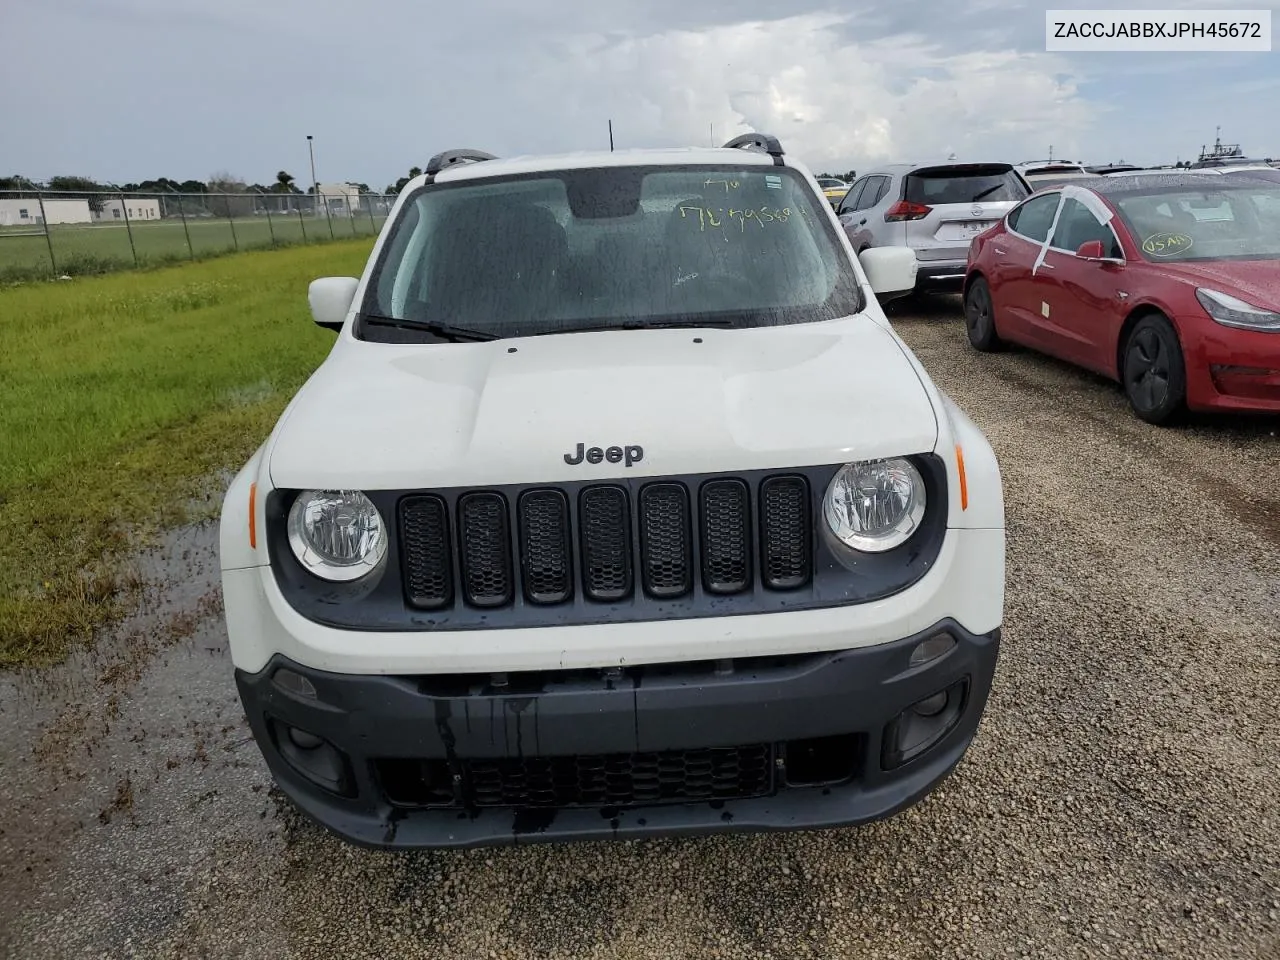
<point>388,416</point>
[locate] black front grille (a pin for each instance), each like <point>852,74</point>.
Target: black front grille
<point>726,536</point>
<point>665,540</point>
<point>600,780</point>
<point>545,547</point>
<point>669,536</point>
<point>784,532</point>
<point>606,543</point>
<point>424,522</point>
<point>486,549</point>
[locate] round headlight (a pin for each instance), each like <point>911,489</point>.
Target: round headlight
<point>875,505</point>
<point>337,534</point>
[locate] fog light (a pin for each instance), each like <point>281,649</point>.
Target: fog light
<point>313,757</point>
<point>932,649</point>
<point>924,725</point>
<point>307,741</point>
<point>294,683</point>
<point>931,706</point>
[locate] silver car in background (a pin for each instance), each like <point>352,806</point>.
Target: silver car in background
<point>934,208</point>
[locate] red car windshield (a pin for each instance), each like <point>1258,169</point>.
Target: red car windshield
<point>1238,222</point>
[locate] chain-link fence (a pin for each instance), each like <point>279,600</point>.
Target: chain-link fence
<point>48,233</point>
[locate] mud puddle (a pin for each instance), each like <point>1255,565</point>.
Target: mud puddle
<point>141,735</point>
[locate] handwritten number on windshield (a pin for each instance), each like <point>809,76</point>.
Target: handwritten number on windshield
<point>714,216</point>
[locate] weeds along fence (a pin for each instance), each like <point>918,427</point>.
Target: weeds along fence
<point>46,234</point>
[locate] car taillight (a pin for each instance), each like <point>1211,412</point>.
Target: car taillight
<point>906,210</point>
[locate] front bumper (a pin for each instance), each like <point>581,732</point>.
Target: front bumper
<point>412,761</point>
<point>1234,370</point>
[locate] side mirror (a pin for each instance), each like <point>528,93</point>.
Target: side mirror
<point>1091,250</point>
<point>890,270</point>
<point>330,300</point>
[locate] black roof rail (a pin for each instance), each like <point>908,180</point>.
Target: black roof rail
<point>448,158</point>
<point>759,141</point>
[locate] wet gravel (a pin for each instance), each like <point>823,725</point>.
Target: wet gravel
<point>1120,801</point>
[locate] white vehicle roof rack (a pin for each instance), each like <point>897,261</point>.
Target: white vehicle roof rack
<point>448,158</point>
<point>763,142</point>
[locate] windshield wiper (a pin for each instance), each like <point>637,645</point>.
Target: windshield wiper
<point>722,322</point>
<point>987,192</point>
<point>444,331</point>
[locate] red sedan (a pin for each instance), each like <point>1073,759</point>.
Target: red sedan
<point>1169,284</point>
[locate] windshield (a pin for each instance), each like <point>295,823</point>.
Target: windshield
<point>1233,223</point>
<point>583,249</point>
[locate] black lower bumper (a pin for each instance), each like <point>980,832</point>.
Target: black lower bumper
<point>940,275</point>
<point>793,742</point>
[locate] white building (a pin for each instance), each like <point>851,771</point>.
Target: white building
<point>136,207</point>
<point>30,212</point>
<point>343,198</point>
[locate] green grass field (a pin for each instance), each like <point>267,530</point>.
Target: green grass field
<point>80,249</point>
<point>122,395</point>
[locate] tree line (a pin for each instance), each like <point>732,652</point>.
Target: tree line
<point>284,183</point>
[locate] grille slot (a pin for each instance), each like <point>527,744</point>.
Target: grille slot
<point>601,780</point>
<point>486,549</point>
<point>726,536</point>
<point>546,549</point>
<point>428,560</point>
<point>665,540</point>
<point>605,520</point>
<point>785,533</point>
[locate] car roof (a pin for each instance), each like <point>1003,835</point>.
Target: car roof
<point>587,159</point>
<point>1144,181</point>
<point>906,167</point>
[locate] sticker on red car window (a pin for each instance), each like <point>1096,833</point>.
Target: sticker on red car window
<point>1166,244</point>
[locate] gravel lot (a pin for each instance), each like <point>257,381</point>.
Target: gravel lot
<point>1121,799</point>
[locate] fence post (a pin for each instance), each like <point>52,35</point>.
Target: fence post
<point>44,222</point>
<point>128,229</point>
<point>351,214</point>
<point>327,215</point>
<point>302,223</point>
<point>372,225</point>
<point>270,227</point>
<point>235,241</point>
<point>182,211</point>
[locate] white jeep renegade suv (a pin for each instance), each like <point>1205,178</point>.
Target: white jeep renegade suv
<point>617,509</point>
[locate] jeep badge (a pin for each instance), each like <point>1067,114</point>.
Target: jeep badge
<point>629,455</point>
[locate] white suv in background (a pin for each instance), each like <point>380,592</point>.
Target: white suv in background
<point>933,209</point>
<point>618,508</point>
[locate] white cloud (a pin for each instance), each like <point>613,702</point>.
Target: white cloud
<point>832,100</point>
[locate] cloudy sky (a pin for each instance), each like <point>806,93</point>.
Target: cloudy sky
<point>125,90</point>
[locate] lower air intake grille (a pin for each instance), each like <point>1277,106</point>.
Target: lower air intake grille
<point>601,780</point>
<point>784,532</point>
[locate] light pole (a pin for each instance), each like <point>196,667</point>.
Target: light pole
<point>315,184</point>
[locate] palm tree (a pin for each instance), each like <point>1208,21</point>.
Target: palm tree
<point>284,184</point>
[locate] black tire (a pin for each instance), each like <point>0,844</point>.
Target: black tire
<point>979,317</point>
<point>1153,372</point>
